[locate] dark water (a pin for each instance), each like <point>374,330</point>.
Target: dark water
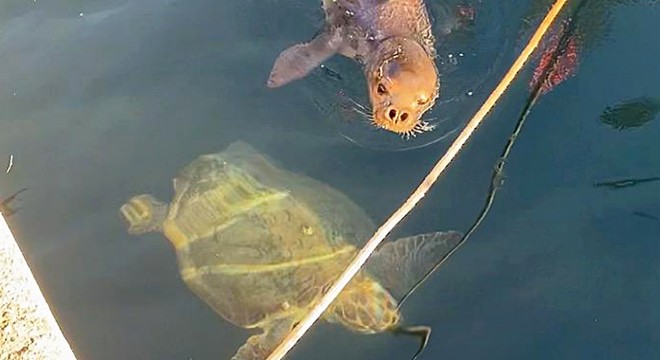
<point>99,107</point>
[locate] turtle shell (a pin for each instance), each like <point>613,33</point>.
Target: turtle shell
<point>255,242</point>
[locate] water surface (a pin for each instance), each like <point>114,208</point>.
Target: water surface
<point>103,100</point>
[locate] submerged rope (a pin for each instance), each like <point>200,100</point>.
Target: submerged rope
<point>322,304</point>
<point>497,177</point>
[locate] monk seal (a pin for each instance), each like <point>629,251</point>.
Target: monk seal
<point>394,42</point>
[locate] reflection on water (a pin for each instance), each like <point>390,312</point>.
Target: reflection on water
<point>259,245</point>
<point>98,107</point>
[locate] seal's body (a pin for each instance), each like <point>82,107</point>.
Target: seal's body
<point>394,42</point>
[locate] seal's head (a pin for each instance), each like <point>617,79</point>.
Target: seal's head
<point>403,85</point>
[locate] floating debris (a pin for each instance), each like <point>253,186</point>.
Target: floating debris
<point>645,215</point>
<point>631,113</point>
<point>624,183</point>
<point>10,165</point>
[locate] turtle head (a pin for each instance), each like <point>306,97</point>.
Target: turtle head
<point>143,213</point>
<point>403,84</point>
<point>365,306</point>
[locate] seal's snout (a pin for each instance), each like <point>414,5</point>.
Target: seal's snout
<point>273,81</point>
<point>395,115</point>
<point>395,118</point>
<point>403,85</point>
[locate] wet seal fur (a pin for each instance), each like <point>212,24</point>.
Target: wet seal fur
<point>394,42</point>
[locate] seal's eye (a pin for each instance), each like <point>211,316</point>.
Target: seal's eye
<point>381,89</point>
<point>422,101</point>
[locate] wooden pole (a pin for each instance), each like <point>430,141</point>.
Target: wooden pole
<point>322,304</point>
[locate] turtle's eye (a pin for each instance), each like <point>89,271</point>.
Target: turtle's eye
<point>381,89</point>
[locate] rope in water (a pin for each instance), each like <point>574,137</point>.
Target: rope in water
<point>319,308</point>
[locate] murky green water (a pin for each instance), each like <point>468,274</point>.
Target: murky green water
<point>103,100</point>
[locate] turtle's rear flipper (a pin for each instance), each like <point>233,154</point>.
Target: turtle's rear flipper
<point>297,61</point>
<point>258,347</point>
<point>422,332</point>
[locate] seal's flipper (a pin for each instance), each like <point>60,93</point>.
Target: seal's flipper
<point>297,61</point>
<point>258,347</point>
<point>400,265</point>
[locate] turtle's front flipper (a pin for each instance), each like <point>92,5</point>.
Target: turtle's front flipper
<point>258,347</point>
<point>403,264</point>
<point>400,266</point>
<point>297,61</point>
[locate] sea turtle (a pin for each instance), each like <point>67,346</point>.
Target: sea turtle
<point>259,244</point>
<point>394,41</point>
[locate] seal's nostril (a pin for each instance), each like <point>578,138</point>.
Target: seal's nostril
<point>404,116</point>
<point>392,114</point>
